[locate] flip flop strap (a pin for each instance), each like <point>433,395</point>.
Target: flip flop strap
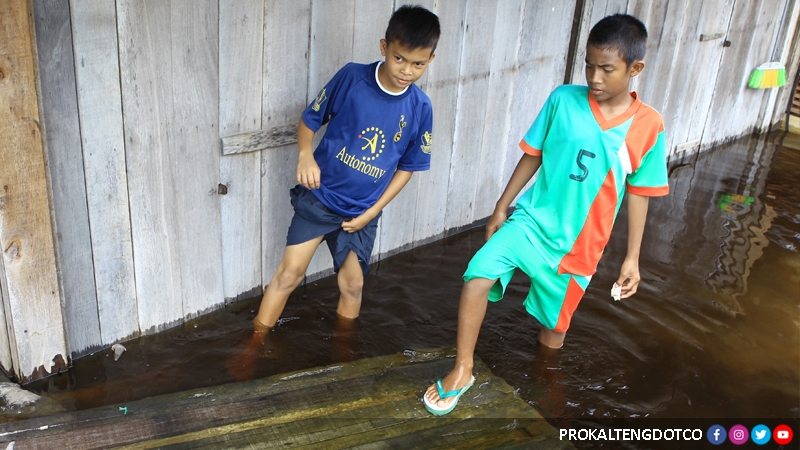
<point>442,393</point>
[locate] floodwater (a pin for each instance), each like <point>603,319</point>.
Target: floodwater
<point>714,331</point>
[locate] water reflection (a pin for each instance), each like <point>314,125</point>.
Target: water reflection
<point>714,330</point>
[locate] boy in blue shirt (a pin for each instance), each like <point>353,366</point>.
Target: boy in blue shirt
<point>588,146</point>
<point>379,132</point>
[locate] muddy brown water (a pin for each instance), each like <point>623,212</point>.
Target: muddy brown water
<point>714,330</point>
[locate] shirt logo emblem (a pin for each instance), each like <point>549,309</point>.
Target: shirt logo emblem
<point>319,100</point>
<point>427,141</point>
<point>399,134</point>
<point>375,147</point>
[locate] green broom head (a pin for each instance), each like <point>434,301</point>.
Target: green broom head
<point>768,75</point>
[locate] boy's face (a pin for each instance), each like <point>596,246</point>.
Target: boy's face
<point>608,76</point>
<point>402,67</point>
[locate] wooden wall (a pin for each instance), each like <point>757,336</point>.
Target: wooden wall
<point>154,225</point>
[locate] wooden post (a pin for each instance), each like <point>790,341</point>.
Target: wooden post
<point>32,300</point>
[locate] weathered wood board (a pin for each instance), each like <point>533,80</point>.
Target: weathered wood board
<point>442,88</point>
<point>65,163</point>
<point>285,75</point>
<point>241,53</point>
<point>752,32</point>
<point>331,47</point>
<point>94,32</point>
<point>471,108</point>
<point>497,145</point>
<point>542,62</point>
<point>146,57</point>
<point>363,404</point>
<point>31,292</point>
<point>194,155</point>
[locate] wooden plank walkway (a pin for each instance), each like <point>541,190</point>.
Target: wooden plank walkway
<point>370,403</point>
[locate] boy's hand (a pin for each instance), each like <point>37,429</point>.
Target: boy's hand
<point>495,222</point>
<point>353,225</point>
<point>308,171</point>
<point>629,277</point>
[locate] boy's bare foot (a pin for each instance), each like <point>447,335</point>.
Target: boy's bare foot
<point>454,380</point>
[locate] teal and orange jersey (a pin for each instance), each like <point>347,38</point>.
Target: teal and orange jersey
<point>588,163</point>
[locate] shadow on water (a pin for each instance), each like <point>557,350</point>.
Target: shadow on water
<point>713,332</point>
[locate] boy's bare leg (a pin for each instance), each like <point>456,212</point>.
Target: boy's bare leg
<point>290,273</point>
<point>550,338</point>
<point>351,285</point>
<point>471,311</point>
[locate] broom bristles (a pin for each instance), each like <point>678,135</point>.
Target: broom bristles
<point>768,75</point>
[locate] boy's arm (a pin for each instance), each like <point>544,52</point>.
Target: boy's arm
<point>629,273</point>
<point>398,182</point>
<point>526,167</point>
<point>308,173</point>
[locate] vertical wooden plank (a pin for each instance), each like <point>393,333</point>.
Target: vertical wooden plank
<point>546,26</point>
<point>146,61</point>
<point>578,75</point>
<point>442,88</point>
<point>593,11</point>
<point>471,109</point>
<point>285,87</point>
<point>94,29</point>
<point>31,291</point>
<point>496,145</point>
<point>668,60</point>
<point>6,359</point>
<point>195,153</point>
<point>369,27</point>
<point>60,113</point>
<point>332,30</point>
<point>735,108</point>
<point>788,54</point>
<point>241,51</point>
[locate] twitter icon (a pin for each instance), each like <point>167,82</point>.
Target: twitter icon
<point>760,434</point>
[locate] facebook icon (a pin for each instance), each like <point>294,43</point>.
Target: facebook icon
<point>716,434</point>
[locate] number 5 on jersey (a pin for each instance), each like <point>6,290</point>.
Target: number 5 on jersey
<point>582,166</point>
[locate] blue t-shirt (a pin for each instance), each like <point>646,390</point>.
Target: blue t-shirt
<point>371,133</point>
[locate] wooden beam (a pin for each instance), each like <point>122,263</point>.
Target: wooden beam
<point>259,140</point>
<point>33,304</point>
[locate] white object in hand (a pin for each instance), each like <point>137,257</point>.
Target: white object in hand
<point>616,292</point>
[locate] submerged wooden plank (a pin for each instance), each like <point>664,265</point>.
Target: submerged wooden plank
<point>31,292</point>
<point>241,42</point>
<point>368,402</point>
<point>65,163</point>
<point>94,29</point>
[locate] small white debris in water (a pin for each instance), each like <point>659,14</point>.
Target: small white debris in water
<point>118,350</point>
<point>202,394</point>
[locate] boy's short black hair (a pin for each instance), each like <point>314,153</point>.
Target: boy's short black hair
<point>621,32</point>
<point>414,27</point>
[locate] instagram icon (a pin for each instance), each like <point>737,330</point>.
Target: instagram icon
<point>738,434</point>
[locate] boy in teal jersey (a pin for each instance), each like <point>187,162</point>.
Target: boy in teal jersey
<point>587,146</point>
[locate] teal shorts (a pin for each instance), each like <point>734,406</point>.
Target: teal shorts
<point>553,297</point>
